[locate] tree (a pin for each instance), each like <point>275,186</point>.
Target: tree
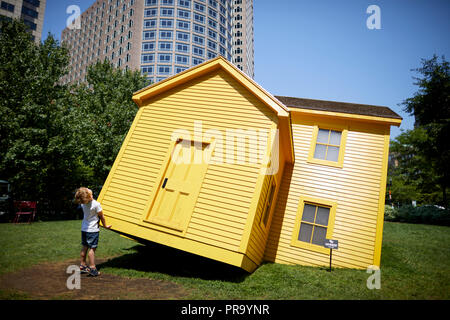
<point>100,116</point>
<point>53,137</point>
<point>424,152</point>
<point>34,157</point>
<point>413,178</point>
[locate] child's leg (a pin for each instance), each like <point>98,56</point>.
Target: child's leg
<point>92,258</point>
<point>83,252</point>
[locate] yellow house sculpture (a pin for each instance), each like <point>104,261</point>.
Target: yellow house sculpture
<point>216,166</point>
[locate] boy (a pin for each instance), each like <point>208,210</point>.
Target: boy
<point>89,228</point>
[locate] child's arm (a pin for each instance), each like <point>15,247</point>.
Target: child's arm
<point>102,218</point>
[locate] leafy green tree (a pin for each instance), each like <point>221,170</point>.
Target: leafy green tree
<point>54,137</point>
<point>101,114</point>
<point>424,152</point>
<point>413,178</point>
<point>34,158</point>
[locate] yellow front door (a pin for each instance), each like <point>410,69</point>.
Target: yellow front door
<point>179,185</point>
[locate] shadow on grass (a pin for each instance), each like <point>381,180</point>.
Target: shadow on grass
<point>153,257</point>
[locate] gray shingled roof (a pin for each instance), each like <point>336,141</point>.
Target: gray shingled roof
<point>334,106</point>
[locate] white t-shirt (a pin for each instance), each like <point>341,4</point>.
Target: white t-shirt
<point>91,220</point>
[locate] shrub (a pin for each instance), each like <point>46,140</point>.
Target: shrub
<point>427,214</point>
<point>389,213</point>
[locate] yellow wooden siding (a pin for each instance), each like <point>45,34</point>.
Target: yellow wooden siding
<point>220,103</point>
<point>355,188</point>
<point>259,233</point>
<point>257,241</point>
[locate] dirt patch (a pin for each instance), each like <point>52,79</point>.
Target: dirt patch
<point>49,281</point>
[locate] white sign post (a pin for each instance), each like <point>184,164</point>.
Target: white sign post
<point>332,244</point>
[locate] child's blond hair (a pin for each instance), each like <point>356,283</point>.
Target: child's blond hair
<point>82,195</point>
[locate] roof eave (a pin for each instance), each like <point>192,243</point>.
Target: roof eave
<point>146,93</point>
<point>367,118</point>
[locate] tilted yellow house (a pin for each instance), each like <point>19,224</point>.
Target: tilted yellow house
<point>215,165</point>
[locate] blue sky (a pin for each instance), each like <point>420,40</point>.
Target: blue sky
<point>322,49</point>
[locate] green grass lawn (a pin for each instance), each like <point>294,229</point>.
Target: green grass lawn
<point>415,265</point>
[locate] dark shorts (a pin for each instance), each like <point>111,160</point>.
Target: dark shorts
<point>89,239</point>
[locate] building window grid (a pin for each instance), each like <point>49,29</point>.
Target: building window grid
<point>181,59</point>
<point>164,70</point>
<point>166,23</point>
<point>183,36</point>
<point>165,46</point>
<point>186,25</point>
<point>182,47</point>
<point>165,58</point>
<point>7,6</point>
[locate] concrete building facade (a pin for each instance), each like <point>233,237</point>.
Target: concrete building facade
<point>243,51</point>
<point>160,37</point>
<point>30,11</point>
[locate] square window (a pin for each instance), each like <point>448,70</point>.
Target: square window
<point>148,46</point>
<point>327,146</point>
<point>183,14</point>
<point>183,25</point>
<point>164,69</point>
<point>166,12</point>
<point>199,29</point>
<point>166,23</point>
<point>147,70</point>
<point>165,34</point>
<point>314,224</point>
<point>182,36</point>
<point>165,46</point>
<point>147,58</point>
<point>166,58</point>
<point>181,47</point>
<point>184,3</point>
<point>182,59</point>
<point>179,69</point>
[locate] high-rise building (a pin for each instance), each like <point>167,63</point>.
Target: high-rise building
<point>243,54</point>
<point>30,11</point>
<point>160,37</point>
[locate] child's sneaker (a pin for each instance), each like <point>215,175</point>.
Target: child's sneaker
<point>93,272</point>
<point>84,269</point>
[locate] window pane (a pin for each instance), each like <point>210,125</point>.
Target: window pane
<point>309,212</point>
<point>333,153</point>
<point>322,216</point>
<point>319,235</point>
<point>305,232</point>
<point>322,136</point>
<point>320,151</point>
<point>335,138</point>
<point>269,204</point>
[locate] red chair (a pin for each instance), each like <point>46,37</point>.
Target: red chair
<point>25,208</point>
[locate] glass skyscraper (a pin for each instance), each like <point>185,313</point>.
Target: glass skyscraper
<point>161,37</point>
